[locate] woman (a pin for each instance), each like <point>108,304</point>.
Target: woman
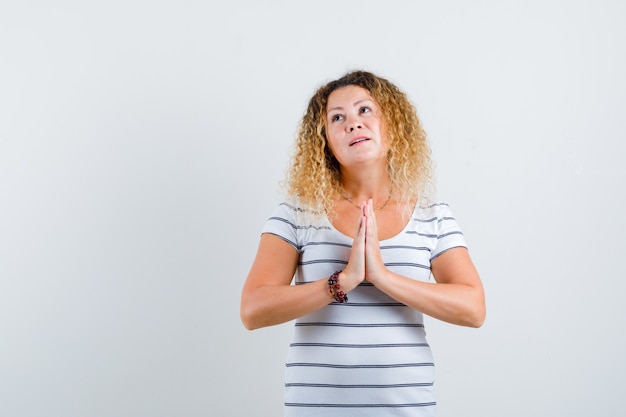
<point>362,244</point>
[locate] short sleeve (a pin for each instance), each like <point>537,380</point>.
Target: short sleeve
<point>282,223</point>
<point>449,234</point>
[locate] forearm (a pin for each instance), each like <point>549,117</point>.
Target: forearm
<point>269,305</point>
<point>450,302</point>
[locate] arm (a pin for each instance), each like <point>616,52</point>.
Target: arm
<point>268,298</point>
<point>457,297</point>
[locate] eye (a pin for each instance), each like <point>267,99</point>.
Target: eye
<point>336,117</point>
<point>365,109</point>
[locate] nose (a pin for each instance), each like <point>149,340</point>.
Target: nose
<point>354,124</point>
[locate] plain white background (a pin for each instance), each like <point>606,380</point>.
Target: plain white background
<point>141,148</point>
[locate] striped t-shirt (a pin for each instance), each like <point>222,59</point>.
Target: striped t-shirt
<point>369,356</point>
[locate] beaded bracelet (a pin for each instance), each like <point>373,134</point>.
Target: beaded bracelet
<point>335,289</point>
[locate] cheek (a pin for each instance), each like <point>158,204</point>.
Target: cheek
<point>384,138</point>
<point>331,139</point>
<point>329,144</point>
<point>383,132</point>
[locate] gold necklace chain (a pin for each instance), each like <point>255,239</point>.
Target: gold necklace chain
<point>359,207</point>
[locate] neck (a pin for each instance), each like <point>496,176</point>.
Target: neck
<point>364,185</point>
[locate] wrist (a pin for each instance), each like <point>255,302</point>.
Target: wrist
<point>334,287</point>
<point>378,277</point>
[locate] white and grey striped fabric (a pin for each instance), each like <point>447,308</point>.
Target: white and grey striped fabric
<point>369,356</point>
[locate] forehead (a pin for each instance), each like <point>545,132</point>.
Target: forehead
<point>346,96</point>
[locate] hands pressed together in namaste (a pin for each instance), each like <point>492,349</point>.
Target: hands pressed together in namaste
<point>365,262</point>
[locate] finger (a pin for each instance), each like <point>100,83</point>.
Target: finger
<point>360,227</point>
<point>371,234</point>
<point>363,228</point>
<point>371,219</point>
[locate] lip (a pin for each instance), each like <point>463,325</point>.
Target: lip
<point>358,139</point>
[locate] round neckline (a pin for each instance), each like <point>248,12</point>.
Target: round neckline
<point>395,236</point>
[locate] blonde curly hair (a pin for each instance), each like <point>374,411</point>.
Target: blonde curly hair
<point>314,177</point>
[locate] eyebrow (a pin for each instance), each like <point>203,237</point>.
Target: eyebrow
<point>356,103</point>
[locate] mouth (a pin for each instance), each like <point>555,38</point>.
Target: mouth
<point>358,140</point>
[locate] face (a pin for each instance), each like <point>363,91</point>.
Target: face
<point>354,127</point>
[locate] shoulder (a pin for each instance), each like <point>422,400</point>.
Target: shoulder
<point>438,221</point>
<point>434,213</point>
<point>296,223</point>
<point>295,214</point>
<point>438,208</point>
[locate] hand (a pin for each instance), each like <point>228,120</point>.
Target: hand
<point>354,273</point>
<point>374,265</point>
